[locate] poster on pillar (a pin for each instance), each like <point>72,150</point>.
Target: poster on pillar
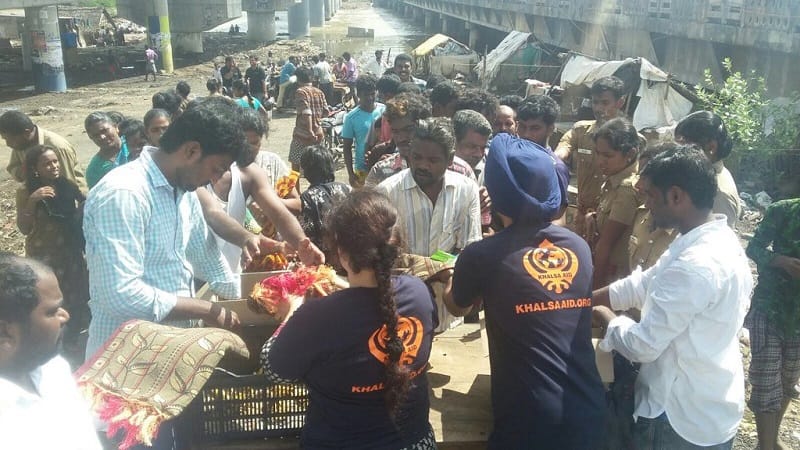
<point>46,52</point>
<point>158,29</point>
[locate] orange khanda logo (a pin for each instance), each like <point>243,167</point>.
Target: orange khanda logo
<point>553,267</point>
<point>410,331</point>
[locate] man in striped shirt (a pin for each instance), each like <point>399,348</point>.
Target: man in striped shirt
<point>145,236</point>
<point>438,208</point>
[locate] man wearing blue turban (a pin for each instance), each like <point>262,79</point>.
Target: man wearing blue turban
<point>534,279</point>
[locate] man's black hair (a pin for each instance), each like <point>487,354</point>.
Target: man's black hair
<point>438,130</point>
<point>652,150</point>
<point>367,83</point>
<point>409,87</point>
<point>18,293</point>
<point>15,122</point>
<point>304,74</point>
<point>403,57</point>
<point>214,123</point>
<point>169,101</point>
<point>444,93</point>
<point>317,164</point>
<point>433,81</point>
<point>539,107</point>
<point>212,85</point>
<point>478,100</point>
<point>702,127</point>
<point>251,121</point>
<point>183,89</point>
<point>389,84</point>
<point>608,84</point>
<point>513,101</point>
<point>687,168</point>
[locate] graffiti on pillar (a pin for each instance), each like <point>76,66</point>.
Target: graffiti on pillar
<point>158,32</point>
<point>46,52</point>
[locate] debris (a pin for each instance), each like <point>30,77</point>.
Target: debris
<point>763,200</point>
<point>43,111</point>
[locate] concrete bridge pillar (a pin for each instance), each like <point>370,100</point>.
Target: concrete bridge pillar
<point>47,59</point>
<point>299,25</point>
<point>27,43</point>
<point>260,20</point>
<point>429,18</point>
<point>474,34</point>
<point>159,36</point>
<point>316,13</point>
<point>328,5</point>
<point>445,27</point>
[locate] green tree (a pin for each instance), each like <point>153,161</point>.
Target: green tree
<point>103,3</point>
<point>740,101</point>
<point>747,112</point>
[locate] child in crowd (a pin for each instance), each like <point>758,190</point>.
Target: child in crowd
<point>323,194</point>
<point>133,132</point>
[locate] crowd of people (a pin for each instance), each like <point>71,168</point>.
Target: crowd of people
<point>460,191</point>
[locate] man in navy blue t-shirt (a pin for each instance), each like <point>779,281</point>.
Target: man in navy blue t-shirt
<point>534,279</point>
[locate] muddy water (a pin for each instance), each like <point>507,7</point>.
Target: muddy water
<point>392,32</point>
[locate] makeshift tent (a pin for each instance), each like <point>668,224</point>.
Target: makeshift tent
<point>659,103</point>
<point>516,58</point>
<point>443,55</point>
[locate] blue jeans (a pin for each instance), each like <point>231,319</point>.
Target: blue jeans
<point>658,434</point>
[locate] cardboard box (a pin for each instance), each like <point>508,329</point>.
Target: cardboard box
<point>255,328</point>
<point>604,360</point>
<point>246,315</point>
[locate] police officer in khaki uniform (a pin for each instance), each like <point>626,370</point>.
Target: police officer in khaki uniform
<point>647,242</point>
<point>577,146</point>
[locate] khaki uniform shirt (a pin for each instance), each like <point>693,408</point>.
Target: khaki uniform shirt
<point>67,159</point>
<point>579,143</point>
<point>727,199</point>
<point>647,243</point>
<point>619,202</point>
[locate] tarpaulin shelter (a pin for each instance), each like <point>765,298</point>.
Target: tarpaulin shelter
<point>657,103</point>
<point>518,57</point>
<point>442,55</point>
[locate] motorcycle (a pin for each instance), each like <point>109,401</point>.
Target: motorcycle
<point>332,129</point>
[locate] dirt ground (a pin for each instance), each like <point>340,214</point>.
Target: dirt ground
<point>64,114</point>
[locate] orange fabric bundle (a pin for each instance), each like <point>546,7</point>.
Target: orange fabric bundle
<point>312,280</point>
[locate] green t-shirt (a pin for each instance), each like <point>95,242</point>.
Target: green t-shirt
<point>98,168</point>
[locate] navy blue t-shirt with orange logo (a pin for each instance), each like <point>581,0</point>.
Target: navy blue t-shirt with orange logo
<point>336,345</point>
<point>535,282</point>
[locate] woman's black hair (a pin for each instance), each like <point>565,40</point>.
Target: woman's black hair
<point>168,101</point>
<point>620,135</point>
<point>242,87</point>
<point>702,127</point>
<point>317,164</point>
<point>67,193</point>
<point>364,227</point>
<point>131,127</point>
<point>153,114</point>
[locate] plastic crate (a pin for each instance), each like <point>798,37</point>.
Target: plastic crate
<point>244,407</point>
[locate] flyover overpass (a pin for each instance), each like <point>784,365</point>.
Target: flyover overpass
<point>178,22</point>
<point>682,36</point>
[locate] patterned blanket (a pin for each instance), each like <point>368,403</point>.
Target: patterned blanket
<point>148,373</point>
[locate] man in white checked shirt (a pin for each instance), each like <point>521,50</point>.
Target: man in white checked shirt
<point>145,233</point>
<point>438,208</point>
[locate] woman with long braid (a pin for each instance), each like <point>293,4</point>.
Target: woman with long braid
<point>362,351</point>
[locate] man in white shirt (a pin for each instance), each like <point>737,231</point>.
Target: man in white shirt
<point>40,406</point>
<point>377,66</point>
<point>438,208</point>
<point>690,389</point>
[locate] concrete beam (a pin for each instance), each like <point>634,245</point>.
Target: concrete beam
<point>299,25</point>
